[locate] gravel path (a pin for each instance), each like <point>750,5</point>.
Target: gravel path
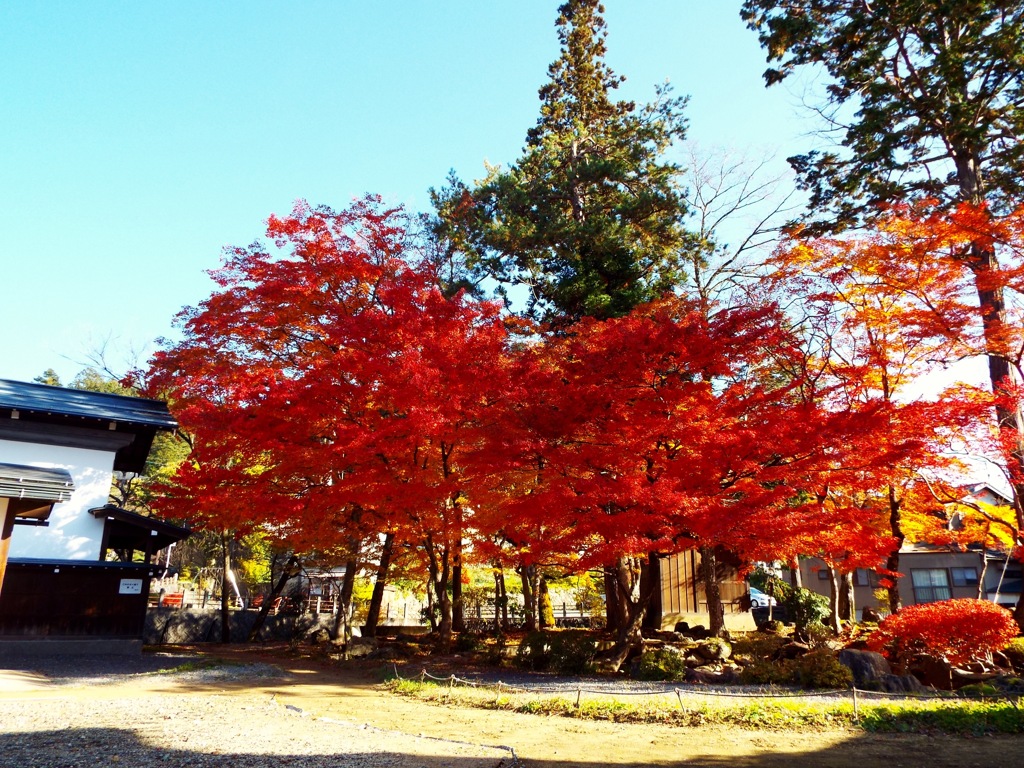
<point>98,713</point>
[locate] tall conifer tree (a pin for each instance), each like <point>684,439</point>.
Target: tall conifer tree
<point>589,219</point>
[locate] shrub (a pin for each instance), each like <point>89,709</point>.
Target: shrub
<point>666,663</point>
<point>807,609</point>
<point>758,645</point>
<point>467,642</point>
<point>768,672</point>
<point>534,650</point>
<point>571,652</point>
<point>957,630</point>
<point>820,669</point>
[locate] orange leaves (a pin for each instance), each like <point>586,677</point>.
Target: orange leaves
<point>958,630</point>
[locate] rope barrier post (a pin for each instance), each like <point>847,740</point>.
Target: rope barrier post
<point>497,693</point>
<point>423,674</point>
<point>451,682</point>
<point>579,692</point>
<point>856,708</point>
<point>679,697</point>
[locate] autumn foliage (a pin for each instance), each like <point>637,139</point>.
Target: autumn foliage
<point>957,630</point>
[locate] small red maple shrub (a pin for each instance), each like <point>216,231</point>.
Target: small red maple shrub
<point>957,630</point>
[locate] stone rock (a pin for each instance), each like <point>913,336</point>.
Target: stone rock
<point>709,676</point>
<point>792,650</point>
<point>870,614</point>
<point>319,636</point>
<point>899,684</point>
<point>393,653</point>
<point>715,649</point>
<point>697,633</point>
<point>682,627</point>
<point>867,667</point>
<point>931,671</point>
<point>360,647</point>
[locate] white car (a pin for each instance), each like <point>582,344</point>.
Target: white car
<point>759,599</point>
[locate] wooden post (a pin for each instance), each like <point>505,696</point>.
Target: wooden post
<point>6,529</point>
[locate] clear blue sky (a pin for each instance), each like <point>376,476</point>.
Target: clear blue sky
<point>140,138</point>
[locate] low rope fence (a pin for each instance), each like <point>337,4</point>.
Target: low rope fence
<point>856,694</point>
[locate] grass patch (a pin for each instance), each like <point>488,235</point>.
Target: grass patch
<point>912,716</point>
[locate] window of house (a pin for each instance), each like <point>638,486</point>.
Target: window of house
<point>964,577</point>
<point>930,584</point>
<point>823,574</point>
<point>862,577</point>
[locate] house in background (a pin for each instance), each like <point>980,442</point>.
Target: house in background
<point>59,590</point>
<point>931,573</point>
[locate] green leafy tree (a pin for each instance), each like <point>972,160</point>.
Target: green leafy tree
<point>928,96</point>
<point>932,95</point>
<point>589,219</point>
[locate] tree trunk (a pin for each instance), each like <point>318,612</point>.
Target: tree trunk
<point>500,602</point>
<point>650,578</point>
<point>629,636</point>
<point>712,590</point>
<point>291,569</point>
<point>892,563</point>
<point>225,588</point>
<point>528,574</point>
<point>847,603</point>
<point>796,577</point>
<point>377,598</point>
<point>612,609</point>
<point>431,613</point>
<point>833,601</point>
<point>439,568</point>
<point>992,303</point>
<point>458,607</point>
<point>545,611</point>
<point>982,572</point>
<point>342,630</point>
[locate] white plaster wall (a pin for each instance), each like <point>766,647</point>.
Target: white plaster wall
<point>73,534</point>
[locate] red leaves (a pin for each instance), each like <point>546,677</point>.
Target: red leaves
<point>958,630</point>
<point>335,392</point>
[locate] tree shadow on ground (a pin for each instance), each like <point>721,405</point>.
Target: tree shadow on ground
<point>102,747</point>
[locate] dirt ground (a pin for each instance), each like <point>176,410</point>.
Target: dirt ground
<point>313,690</point>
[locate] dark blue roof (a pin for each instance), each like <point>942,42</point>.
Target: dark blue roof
<point>45,399</point>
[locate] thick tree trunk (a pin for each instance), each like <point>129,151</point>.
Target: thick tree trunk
<point>650,579</point>
<point>612,609</point>
<point>629,636</point>
<point>225,588</point>
<point>545,611</point>
<point>618,607</point>
<point>712,590</point>
<point>291,569</point>
<point>993,309</point>
<point>847,602</point>
<point>342,630</point>
<point>377,598</point>
<point>439,561</point>
<point>796,578</point>
<point>528,575</point>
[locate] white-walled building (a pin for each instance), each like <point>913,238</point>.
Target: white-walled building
<point>59,449</point>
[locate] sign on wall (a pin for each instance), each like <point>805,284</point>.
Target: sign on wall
<point>130,587</point>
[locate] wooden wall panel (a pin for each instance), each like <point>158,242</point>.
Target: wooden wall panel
<point>72,599</point>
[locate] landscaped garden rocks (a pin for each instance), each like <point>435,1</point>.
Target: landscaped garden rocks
<point>867,667</point>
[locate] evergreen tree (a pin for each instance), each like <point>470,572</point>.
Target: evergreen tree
<point>927,96</point>
<point>589,218</point>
